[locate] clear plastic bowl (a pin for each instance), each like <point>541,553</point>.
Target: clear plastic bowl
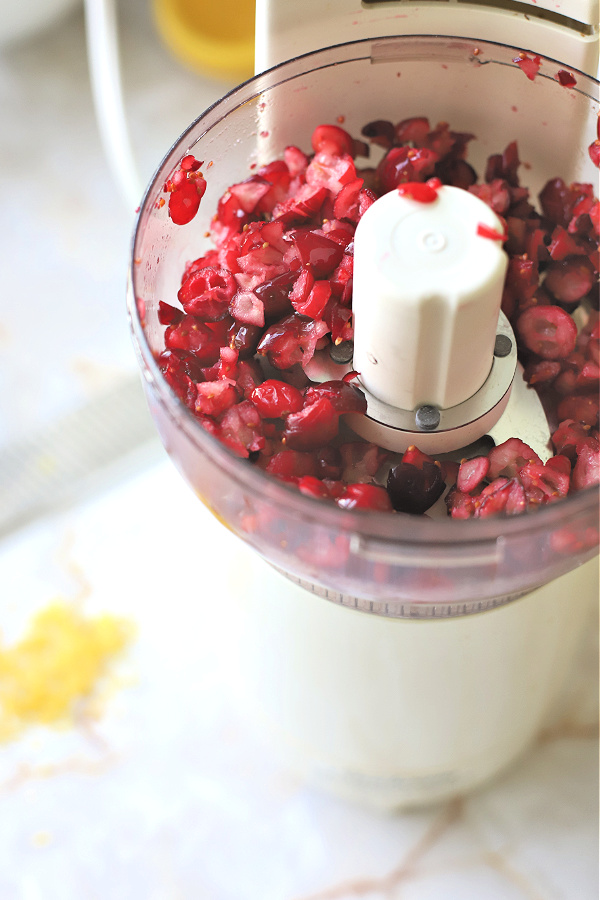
<point>394,565</point>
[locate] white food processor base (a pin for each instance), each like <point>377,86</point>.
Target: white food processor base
<point>400,713</point>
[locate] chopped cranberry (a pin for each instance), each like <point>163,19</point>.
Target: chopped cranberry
<point>542,371</point>
<point>295,463</point>
<point>365,496</point>
<point>543,483</point>
<point>403,165</point>
<point>416,457</point>
<point>291,341</point>
<point>557,202</point>
<point>567,79</point>
<point>296,161</point>
<point>415,490</point>
<point>530,66</point>
<point>471,473</point>
<point>509,457</point>
<point>315,425</point>
<point>306,203</point>
<point>195,337</point>
<point>568,437</point>
<point>274,399</point>
<point>207,293</point>
<point>485,231</point>
<point>313,487</point>
<point>422,193</point>
<point>313,305</point>
<point>562,244</point>
<point>347,202</point>
<point>246,307</point>
<point>496,194</point>
<point>460,505</point>
<point>579,407</point>
<point>570,280</point>
<point>274,294</point>
<point>240,427</point>
<point>547,330</point>
<point>214,397</point>
<point>332,139</point>
<point>412,131</point>
<point>343,397</point>
<point>380,132</point>
<point>587,468</point>
<point>329,463</point>
<point>249,376</point>
<point>168,315</point>
<point>504,165</point>
<point>248,193</point>
<point>244,338</point>
<point>184,201</point>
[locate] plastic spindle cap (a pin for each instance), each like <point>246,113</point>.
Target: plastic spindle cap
<point>428,280</point>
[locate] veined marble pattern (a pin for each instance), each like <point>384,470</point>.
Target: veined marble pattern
<point>171,794</point>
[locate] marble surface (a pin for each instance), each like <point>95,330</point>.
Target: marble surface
<point>170,793</point>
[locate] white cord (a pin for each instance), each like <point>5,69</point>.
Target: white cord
<point>105,74</point>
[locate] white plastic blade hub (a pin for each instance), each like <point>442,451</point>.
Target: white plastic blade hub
<point>427,290</point>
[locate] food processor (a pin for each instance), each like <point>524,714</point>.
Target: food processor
<point>395,660</point>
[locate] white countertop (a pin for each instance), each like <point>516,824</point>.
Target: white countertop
<point>170,793</point>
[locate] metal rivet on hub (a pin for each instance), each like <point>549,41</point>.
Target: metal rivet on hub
<point>342,352</point>
<point>503,345</point>
<point>427,418</point>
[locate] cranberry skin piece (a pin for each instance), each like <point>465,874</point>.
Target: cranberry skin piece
<point>275,399</point>
<point>313,427</point>
<point>365,496</point>
<point>332,139</point>
<point>414,490</point>
<point>548,331</point>
<point>207,293</point>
